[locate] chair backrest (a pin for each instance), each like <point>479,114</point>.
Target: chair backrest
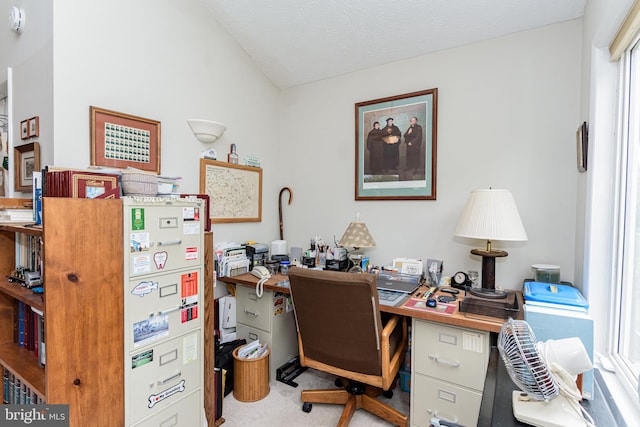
<point>338,318</point>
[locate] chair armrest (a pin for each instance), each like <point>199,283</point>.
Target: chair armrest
<point>391,362</point>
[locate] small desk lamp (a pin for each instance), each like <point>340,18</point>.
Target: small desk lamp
<point>357,236</point>
<point>490,215</point>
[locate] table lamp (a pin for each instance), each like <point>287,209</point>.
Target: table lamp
<point>357,236</point>
<point>490,215</point>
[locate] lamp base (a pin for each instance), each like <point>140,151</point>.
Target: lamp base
<point>489,273</point>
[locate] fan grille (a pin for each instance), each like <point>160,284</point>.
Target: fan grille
<point>517,346</point>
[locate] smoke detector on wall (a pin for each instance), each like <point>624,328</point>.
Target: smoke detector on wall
<point>16,19</point>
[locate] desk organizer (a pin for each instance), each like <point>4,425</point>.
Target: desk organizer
<point>500,308</point>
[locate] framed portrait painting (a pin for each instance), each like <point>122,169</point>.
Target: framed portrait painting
<point>396,147</point>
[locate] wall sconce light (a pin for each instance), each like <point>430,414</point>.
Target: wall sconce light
<point>206,131</point>
<point>16,19</point>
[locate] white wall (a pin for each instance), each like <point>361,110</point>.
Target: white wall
<point>507,117</point>
<point>167,61</point>
<point>29,55</point>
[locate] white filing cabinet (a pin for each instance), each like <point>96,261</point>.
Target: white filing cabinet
<point>269,319</point>
<point>449,365</point>
<point>163,311</point>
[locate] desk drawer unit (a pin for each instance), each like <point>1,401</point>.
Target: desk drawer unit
<point>445,401</point>
<point>269,319</point>
<point>253,311</point>
<point>449,365</point>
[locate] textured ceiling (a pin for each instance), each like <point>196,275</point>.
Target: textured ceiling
<point>300,41</point>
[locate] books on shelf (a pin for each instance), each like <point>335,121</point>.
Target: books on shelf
<point>29,330</point>
<point>37,197</point>
<point>80,184</point>
<point>16,392</point>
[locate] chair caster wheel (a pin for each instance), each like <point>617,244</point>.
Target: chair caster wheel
<point>388,394</point>
<point>306,407</point>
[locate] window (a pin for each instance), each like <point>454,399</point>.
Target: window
<point>625,341</point>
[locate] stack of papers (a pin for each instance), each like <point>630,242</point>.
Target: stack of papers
<point>168,184</point>
<point>16,215</point>
<point>253,350</point>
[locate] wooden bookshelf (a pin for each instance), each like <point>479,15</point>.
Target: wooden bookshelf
<point>23,294</point>
<point>83,303</point>
<point>25,365</point>
<point>22,363</point>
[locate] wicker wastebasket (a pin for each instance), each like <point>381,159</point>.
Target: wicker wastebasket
<point>250,377</point>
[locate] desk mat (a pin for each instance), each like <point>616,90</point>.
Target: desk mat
<point>421,304</point>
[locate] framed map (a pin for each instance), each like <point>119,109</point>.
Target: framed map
<point>235,191</point>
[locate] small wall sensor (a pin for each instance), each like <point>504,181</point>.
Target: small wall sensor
<point>16,19</point>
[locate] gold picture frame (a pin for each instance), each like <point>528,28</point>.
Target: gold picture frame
<point>122,140</point>
<point>26,160</point>
<point>235,191</point>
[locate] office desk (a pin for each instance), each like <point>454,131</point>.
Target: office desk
<point>449,359</point>
<point>463,320</point>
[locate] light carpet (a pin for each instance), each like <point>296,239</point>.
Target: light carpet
<point>283,407</point>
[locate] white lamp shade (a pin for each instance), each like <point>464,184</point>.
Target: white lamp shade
<point>491,215</point>
<point>357,236</point>
<point>206,130</point>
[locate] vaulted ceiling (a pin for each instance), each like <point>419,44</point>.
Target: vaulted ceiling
<point>300,41</point>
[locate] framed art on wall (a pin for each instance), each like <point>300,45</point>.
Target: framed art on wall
<point>34,126</point>
<point>24,129</point>
<point>122,140</point>
<point>396,147</point>
<point>26,160</point>
<point>235,191</point>
<point>582,146</point>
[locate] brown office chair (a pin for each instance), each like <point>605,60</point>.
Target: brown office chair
<point>340,331</point>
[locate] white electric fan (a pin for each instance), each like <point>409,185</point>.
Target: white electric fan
<point>549,396</point>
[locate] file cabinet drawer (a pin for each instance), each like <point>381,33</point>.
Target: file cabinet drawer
<point>450,353</point>
<point>254,311</point>
<point>446,401</point>
<point>161,307</point>
<point>161,375</point>
<point>186,412</point>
